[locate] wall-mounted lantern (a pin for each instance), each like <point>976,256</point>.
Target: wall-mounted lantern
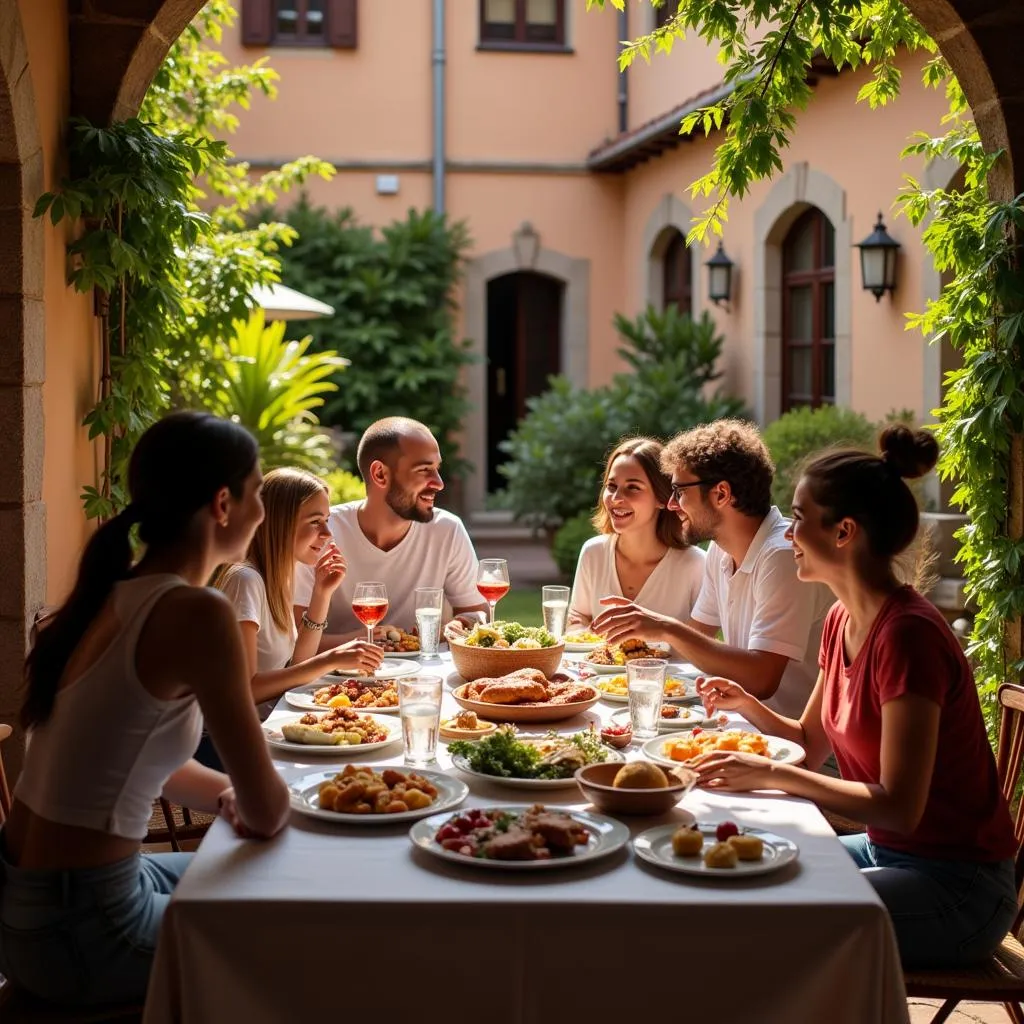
<point>719,276</point>
<point>878,261</point>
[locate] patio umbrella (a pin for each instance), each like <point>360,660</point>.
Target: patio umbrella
<point>282,303</point>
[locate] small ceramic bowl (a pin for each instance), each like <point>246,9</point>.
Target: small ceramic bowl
<point>595,782</point>
<point>619,740</point>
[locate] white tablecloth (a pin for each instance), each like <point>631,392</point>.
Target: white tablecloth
<point>336,923</point>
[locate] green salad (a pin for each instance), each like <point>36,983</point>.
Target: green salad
<point>511,635</point>
<point>553,756</point>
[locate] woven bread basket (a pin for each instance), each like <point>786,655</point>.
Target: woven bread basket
<point>490,663</point>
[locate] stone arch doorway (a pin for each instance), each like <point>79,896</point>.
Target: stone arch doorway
<point>526,255</point>
<point>669,220</point>
<point>22,346</point>
<point>796,192</point>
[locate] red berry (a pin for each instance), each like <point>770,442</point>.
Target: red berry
<point>726,829</point>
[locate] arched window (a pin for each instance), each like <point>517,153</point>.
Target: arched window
<point>809,312</point>
<point>676,267</point>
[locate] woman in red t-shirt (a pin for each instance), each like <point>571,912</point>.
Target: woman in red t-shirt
<point>896,701</point>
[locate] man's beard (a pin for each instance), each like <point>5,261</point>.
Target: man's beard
<point>700,533</point>
<point>403,504</point>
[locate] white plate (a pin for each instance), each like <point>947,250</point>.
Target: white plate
<point>305,792</point>
<point>404,655</point>
<point>582,647</point>
<point>302,697</point>
<point>655,847</point>
<point>462,763</point>
<point>276,739</point>
<point>688,718</point>
<point>689,692</point>
<point>779,750</point>
<point>606,836</point>
<point>390,668</point>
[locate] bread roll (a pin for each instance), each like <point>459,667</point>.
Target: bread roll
<point>747,847</point>
<point>640,775</point>
<point>687,842</point>
<point>721,855</point>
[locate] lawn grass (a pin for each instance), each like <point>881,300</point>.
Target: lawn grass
<point>521,605</point>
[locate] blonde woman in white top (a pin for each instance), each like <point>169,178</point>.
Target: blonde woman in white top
<point>281,654</point>
<point>117,687</point>
<point>640,553</point>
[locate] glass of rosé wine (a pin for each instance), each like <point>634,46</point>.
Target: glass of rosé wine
<point>370,605</point>
<point>492,581</point>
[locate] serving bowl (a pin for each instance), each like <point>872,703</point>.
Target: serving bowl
<point>490,662</point>
<point>522,712</point>
<point>595,783</point>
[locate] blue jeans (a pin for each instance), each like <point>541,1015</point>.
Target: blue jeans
<point>945,913</point>
<point>85,936</point>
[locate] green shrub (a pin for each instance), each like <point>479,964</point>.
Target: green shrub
<point>800,433</point>
<point>558,450</point>
<point>344,486</point>
<point>569,540</point>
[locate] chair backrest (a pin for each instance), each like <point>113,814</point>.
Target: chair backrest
<point>5,793</point>
<point>1009,762</point>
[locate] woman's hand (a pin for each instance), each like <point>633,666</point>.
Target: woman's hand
<point>356,656</point>
<point>733,772</point>
<point>329,570</point>
<point>721,694</point>
<point>623,620</point>
<point>227,807</point>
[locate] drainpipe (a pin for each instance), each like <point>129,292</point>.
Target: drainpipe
<point>623,76</point>
<point>438,61</point>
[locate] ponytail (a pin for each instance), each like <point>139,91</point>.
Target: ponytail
<point>106,560</point>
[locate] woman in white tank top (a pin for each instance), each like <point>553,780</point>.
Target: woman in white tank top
<point>279,652</point>
<point>118,686</point>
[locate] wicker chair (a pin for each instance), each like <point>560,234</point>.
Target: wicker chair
<point>172,824</point>
<point>1001,979</point>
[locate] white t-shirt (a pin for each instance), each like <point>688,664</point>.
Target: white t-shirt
<point>671,589</point>
<point>763,606</point>
<point>248,593</point>
<point>434,554</point>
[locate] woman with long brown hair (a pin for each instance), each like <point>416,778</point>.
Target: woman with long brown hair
<point>897,703</point>
<point>640,553</point>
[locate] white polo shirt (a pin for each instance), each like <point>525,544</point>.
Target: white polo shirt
<point>763,606</point>
<point>434,554</point>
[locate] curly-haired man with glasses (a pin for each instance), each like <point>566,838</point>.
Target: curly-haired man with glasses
<point>770,621</point>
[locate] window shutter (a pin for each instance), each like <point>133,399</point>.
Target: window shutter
<point>257,22</point>
<point>341,24</point>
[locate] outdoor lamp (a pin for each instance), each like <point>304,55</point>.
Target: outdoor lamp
<point>878,261</point>
<point>719,276</point>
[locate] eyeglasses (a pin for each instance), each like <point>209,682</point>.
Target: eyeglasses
<point>677,489</point>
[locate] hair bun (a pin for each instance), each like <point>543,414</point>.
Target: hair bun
<point>910,453</point>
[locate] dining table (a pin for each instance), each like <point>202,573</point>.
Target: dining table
<point>331,921</point>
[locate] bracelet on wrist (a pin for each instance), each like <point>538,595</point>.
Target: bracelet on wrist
<point>310,624</point>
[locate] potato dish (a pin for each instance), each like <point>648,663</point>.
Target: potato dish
<point>340,727</point>
<point>397,641</point>
<point>349,693</point>
<point>619,654</point>
<point>618,686</point>
<point>701,742</point>
<point>361,790</point>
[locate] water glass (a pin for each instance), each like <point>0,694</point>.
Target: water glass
<point>428,619</point>
<point>645,685</point>
<point>554,603</point>
<point>419,707</point>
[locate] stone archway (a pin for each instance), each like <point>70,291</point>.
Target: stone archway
<point>670,214</point>
<point>525,253</point>
<point>22,349</point>
<point>801,187</point>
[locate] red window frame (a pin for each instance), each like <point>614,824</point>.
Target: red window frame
<point>522,35</point>
<point>302,36</point>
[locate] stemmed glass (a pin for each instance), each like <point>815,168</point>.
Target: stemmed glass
<point>370,605</point>
<point>492,581</point>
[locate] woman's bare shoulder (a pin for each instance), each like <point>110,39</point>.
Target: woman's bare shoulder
<point>201,611</point>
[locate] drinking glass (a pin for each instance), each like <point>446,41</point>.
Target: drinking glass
<point>370,605</point>
<point>492,581</point>
<point>428,618</point>
<point>554,603</point>
<point>419,707</point>
<point>645,684</point>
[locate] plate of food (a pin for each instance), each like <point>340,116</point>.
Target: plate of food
<point>362,694</point>
<point>531,762</point>
<point>339,731</point>
<point>715,851</point>
<point>684,746</point>
<point>390,668</point>
<point>614,688</point>
<point>674,717</point>
<point>466,725</point>
<point>395,642</point>
<point>520,837</point>
<point>611,658</point>
<point>364,795</point>
<point>525,696</point>
<point>582,641</point>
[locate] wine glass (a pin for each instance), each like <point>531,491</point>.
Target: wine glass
<point>370,605</point>
<point>492,581</point>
